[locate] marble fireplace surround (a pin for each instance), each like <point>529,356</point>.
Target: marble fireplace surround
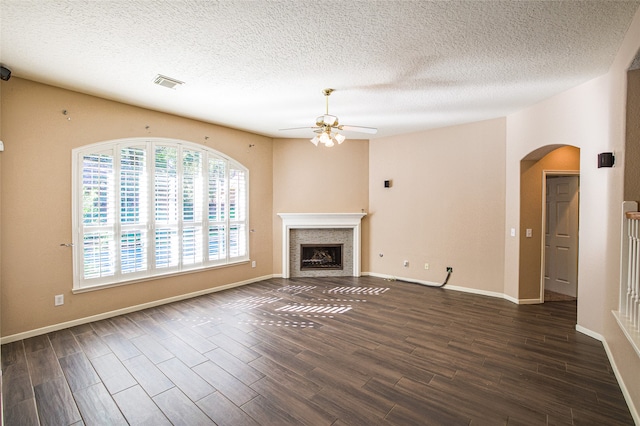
<point>291,221</point>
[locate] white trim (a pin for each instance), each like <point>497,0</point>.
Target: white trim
<point>321,220</point>
<point>457,288</point>
<point>630,332</point>
<point>476,291</point>
<point>616,372</point>
<point>122,311</point>
<point>589,333</point>
<point>156,277</point>
<point>626,315</point>
<point>510,299</point>
<point>627,206</point>
<point>526,301</point>
<point>432,284</point>
<point>409,280</point>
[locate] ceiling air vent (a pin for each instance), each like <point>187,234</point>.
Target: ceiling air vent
<point>164,81</point>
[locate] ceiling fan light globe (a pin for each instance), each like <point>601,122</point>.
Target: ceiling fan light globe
<point>329,144</point>
<point>315,140</point>
<point>339,138</point>
<point>325,138</point>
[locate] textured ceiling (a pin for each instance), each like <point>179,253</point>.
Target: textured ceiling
<point>401,66</point>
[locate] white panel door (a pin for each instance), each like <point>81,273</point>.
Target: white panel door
<point>561,236</point>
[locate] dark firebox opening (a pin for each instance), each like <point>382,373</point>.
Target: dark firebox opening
<point>321,256</point>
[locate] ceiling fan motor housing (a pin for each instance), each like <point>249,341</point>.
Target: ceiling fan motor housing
<point>327,120</point>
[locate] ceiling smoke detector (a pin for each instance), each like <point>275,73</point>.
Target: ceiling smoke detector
<point>168,82</point>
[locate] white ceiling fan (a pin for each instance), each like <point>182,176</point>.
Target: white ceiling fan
<point>327,127</point>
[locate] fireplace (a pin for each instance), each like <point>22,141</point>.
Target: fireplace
<point>323,229</point>
<point>320,256</point>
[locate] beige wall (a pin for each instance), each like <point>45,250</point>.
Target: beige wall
<point>592,118</point>
<point>565,158</point>
<point>310,179</point>
<point>36,201</point>
<point>445,206</point>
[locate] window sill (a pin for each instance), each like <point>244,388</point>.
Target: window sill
<point>631,332</point>
<point>96,287</point>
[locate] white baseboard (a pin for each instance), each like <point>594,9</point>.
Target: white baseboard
<point>394,278</point>
<point>590,333</point>
<point>524,301</point>
<point>476,291</point>
<point>448,286</point>
<point>616,372</point>
<point>432,284</point>
<point>122,311</point>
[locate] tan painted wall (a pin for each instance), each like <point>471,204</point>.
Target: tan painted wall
<point>566,158</point>
<point>36,201</point>
<point>632,146</point>
<point>310,179</point>
<point>591,117</point>
<point>445,206</point>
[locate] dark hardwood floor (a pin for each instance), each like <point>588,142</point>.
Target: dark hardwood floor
<point>318,351</point>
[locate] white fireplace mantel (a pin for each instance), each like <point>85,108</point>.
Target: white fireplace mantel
<point>321,220</point>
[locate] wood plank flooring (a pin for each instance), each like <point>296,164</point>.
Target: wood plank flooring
<point>318,351</point>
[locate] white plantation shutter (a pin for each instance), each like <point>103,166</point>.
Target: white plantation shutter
<point>237,213</point>
<point>166,218</point>
<point>145,208</point>
<point>217,197</point>
<point>98,215</point>
<point>192,207</point>
<point>134,210</point>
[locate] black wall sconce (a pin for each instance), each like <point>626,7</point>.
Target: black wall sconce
<point>606,159</point>
<point>5,73</point>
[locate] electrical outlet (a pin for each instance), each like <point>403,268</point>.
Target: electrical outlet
<point>426,266</point>
<point>405,263</point>
<point>253,263</point>
<point>58,300</point>
<point>449,269</point>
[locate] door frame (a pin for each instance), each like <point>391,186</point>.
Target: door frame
<point>545,174</point>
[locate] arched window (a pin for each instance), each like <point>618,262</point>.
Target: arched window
<point>145,208</point>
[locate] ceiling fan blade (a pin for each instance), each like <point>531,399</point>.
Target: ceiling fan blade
<point>370,130</point>
<point>300,128</point>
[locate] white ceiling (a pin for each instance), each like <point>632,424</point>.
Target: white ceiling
<point>260,66</point>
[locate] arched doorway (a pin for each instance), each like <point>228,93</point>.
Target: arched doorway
<point>548,162</point>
